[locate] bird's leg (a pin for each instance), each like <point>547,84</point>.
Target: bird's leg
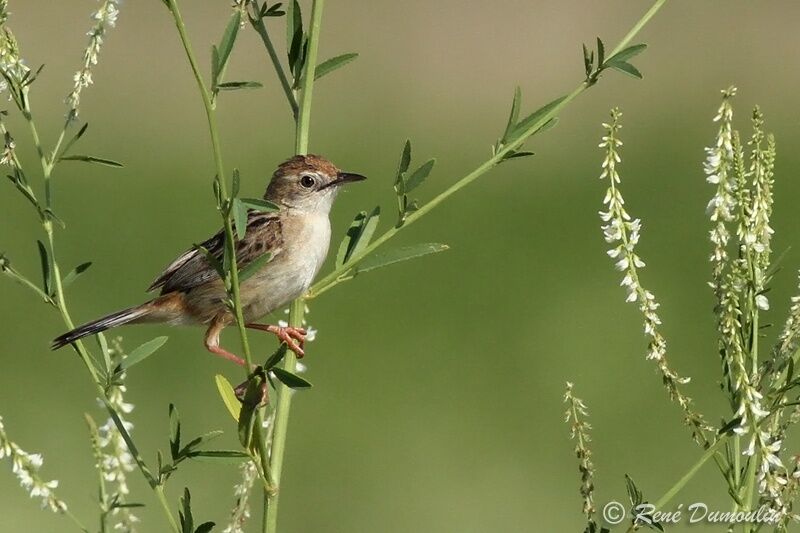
<point>212,343</point>
<point>293,337</point>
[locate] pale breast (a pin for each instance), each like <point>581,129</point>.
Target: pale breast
<point>306,239</point>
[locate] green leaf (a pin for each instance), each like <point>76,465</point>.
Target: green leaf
<point>44,259</point>
<point>513,117</point>
<point>358,235</point>
<point>293,381</point>
<point>634,494</point>
<point>627,53</point>
<point>296,39</point>
<point>294,22</point>
<point>228,38</point>
<point>526,123</point>
<point>141,353</point>
<point>517,155</point>
<point>199,441</point>
<point>239,217</point>
<point>419,175</point>
<point>236,85</point>
<point>260,205</point>
<point>221,454</point>
<point>187,521</point>
<point>92,159</point>
<point>254,266</point>
<point>399,254</point>
<point>237,181</point>
<point>228,396</point>
<point>174,432</point>
<point>215,67</point>
<point>588,61</point>
<point>75,138</point>
<point>601,52</point>
<point>329,65</point>
<point>205,527</point>
<point>74,273</point>
<point>405,161</point>
<point>627,68</point>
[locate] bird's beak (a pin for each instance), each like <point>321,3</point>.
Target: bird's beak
<point>345,177</point>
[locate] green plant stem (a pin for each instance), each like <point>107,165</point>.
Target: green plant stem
<point>348,270</point>
<point>230,241</point>
<point>710,452</point>
<point>162,499</point>
<point>60,299</point>
<point>297,309</point>
<point>261,28</point>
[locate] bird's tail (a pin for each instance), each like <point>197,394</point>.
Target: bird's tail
<point>119,318</point>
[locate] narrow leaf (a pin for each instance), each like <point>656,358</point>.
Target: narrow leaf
<point>46,268</point>
<point>419,175</point>
<point>329,65</point>
<point>236,85</point>
<point>74,273</point>
<point>352,235</point>
<point>141,353</point>
<point>237,180</point>
<point>626,54</point>
<point>627,68</point>
<point>588,63</point>
<point>405,161</point>
<point>212,260</point>
<point>400,254</point>
<point>228,38</point>
<point>293,381</point>
<point>366,233</point>
<point>205,527</point>
<point>254,266</point>
<point>75,138</point>
<point>221,454</point>
<point>601,52</point>
<point>174,432</point>
<point>260,205</point>
<point>228,396</point>
<point>239,217</point>
<point>526,123</point>
<point>92,159</point>
<point>513,117</point>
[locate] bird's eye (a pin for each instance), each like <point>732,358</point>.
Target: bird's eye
<point>307,181</point>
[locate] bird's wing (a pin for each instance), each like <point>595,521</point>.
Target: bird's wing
<point>192,268</point>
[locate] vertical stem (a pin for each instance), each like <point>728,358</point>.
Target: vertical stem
<point>297,310</point>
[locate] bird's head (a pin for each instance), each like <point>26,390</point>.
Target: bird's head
<point>307,183</point>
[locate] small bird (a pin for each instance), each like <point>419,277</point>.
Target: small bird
<point>297,236</point>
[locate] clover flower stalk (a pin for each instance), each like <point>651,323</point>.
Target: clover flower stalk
<point>623,233</point>
<point>115,461</point>
<point>25,467</point>
<point>579,431</point>
<point>241,509</point>
<point>104,18</point>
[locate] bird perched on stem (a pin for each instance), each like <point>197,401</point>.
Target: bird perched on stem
<point>296,236</point>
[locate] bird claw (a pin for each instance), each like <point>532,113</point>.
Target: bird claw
<point>294,338</point>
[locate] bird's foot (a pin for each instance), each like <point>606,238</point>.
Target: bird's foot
<point>294,337</point>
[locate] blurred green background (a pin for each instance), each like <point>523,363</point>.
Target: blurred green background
<point>438,383</point>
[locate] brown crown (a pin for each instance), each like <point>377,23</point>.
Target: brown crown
<point>310,162</point>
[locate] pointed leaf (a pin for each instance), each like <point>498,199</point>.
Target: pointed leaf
<point>405,161</point>
<point>628,53</point>
<point>141,353</point>
<point>228,396</point>
<point>529,121</point>
<point>74,273</point>
<point>260,205</point>
<point>92,159</point>
<point>212,260</point>
<point>353,232</point>
<point>254,266</point>
<point>419,175</point>
<point>174,432</point>
<point>218,454</point>
<point>328,66</point>
<point>366,233</point>
<point>601,52</point>
<point>399,254</point>
<point>187,521</point>
<point>75,138</point>
<point>627,68</point>
<point>46,268</point>
<point>239,217</point>
<point>236,85</point>
<point>513,117</point>
<point>229,37</point>
<point>293,381</point>
<point>588,62</point>
<point>237,181</point>
<point>205,527</point>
